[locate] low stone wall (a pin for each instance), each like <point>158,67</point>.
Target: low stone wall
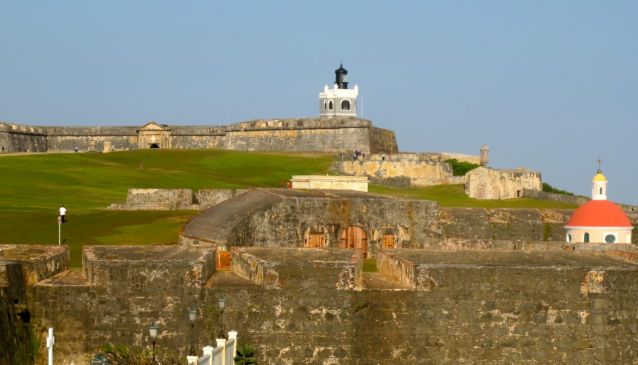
<point>340,269</point>
<point>487,183</point>
<point>256,270</point>
<point>143,266</point>
<point>563,198</point>
<point>393,267</point>
<point>419,169</point>
<point>358,183</point>
<point>38,262</point>
<point>207,198</point>
<point>174,199</point>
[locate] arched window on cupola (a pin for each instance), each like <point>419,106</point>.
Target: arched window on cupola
<point>325,106</point>
<point>330,105</point>
<point>601,191</point>
<point>345,105</point>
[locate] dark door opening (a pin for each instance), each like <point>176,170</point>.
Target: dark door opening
<point>154,145</point>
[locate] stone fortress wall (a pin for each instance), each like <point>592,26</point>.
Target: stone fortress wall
<point>22,138</point>
<point>294,135</point>
<point>463,286</point>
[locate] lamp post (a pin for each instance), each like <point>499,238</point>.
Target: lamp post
<point>192,316</point>
<point>221,303</point>
<point>152,331</point>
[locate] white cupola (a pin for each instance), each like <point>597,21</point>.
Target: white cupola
<point>339,100</point>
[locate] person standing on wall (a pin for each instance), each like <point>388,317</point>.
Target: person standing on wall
<point>62,214</point>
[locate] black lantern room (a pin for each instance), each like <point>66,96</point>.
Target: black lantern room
<point>341,77</point>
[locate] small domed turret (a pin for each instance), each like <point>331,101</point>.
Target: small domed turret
<point>341,77</point>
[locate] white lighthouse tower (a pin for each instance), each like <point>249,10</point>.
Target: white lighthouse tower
<point>339,100</point>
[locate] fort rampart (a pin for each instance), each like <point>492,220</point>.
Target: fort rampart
<point>296,135</point>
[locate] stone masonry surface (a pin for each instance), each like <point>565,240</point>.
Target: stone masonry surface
<point>506,307</point>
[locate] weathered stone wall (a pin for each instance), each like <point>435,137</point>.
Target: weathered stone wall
<point>298,140</point>
<point>341,134</point>
<point>285,223</point>
<point>486,183</point>
<point>22,138</point>
<point>563,198</point>
<point>508,224</point>
<point>96,139</point>
<point>207,198</point>
<point>383,141</point>
<point>174,199</point>
<point>15,341</point>
<point>479,307</point>
<point>423,169</point>
<point>504,224</point>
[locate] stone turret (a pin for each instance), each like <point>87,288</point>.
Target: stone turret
<point>485,155</point>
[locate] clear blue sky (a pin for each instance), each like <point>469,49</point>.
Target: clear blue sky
<point>549,85</point>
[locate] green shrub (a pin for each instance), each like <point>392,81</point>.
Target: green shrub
<point>460,168</point>
<point>550,189</point>
<point>245,355</point>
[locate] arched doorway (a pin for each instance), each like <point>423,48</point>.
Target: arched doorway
<point>355,237</point>
<point>154,145</point>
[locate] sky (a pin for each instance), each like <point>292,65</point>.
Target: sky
<point>549,85</point>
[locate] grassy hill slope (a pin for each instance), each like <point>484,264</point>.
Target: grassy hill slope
<point>34,186</point>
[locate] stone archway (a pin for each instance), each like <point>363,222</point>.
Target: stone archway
<point>355,237</point>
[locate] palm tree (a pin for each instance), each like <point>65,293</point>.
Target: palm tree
<point>245,355</point>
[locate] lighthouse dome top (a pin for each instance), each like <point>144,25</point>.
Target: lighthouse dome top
<point>341,70</point>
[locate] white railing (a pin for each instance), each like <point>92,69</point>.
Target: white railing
<point>222,354</point>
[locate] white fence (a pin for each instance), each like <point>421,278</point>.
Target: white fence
<point>222,354</point>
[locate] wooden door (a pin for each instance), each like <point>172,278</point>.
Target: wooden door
<point>355,237</point>
<point>316,240</point>
<point>223,260</point>
<point>389,241</point>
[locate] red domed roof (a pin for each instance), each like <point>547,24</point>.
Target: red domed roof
<point>599,213</point>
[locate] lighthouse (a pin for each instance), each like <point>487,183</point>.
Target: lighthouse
<point>339,100</point>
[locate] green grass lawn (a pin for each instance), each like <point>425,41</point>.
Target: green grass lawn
<point>34,186</point>
<point>454,196</point>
